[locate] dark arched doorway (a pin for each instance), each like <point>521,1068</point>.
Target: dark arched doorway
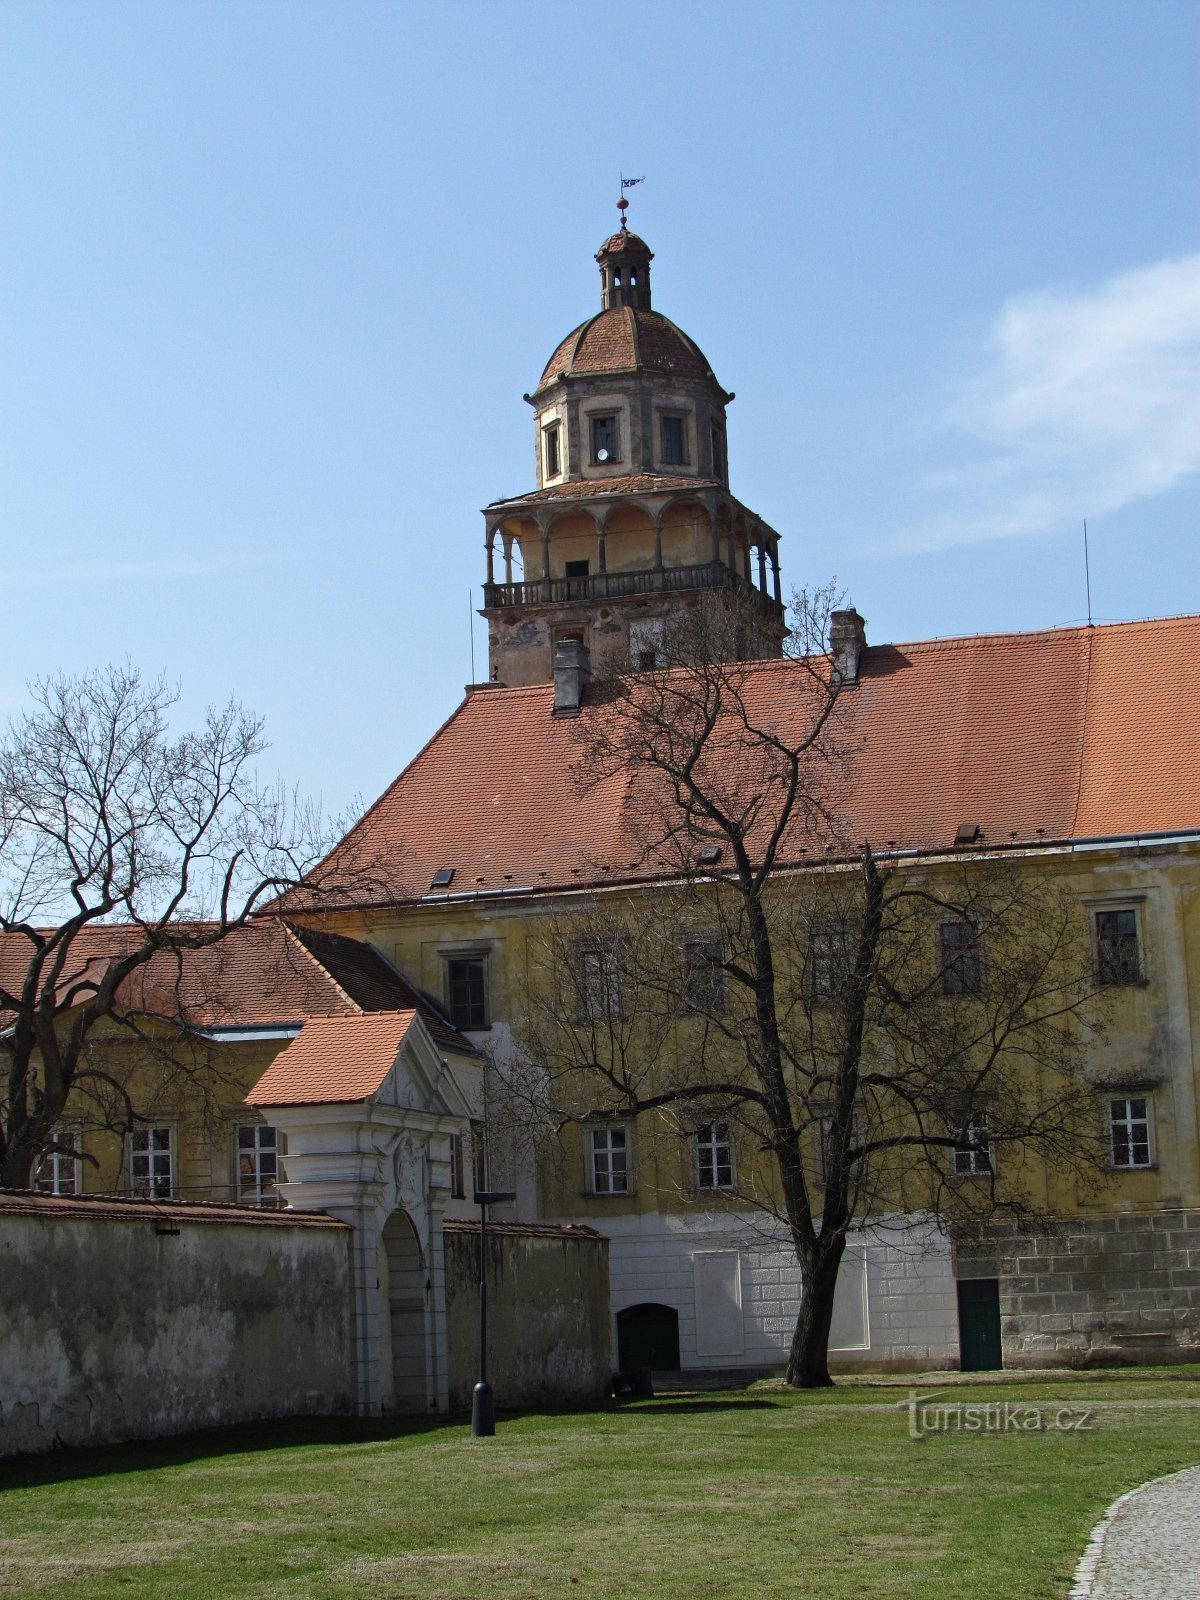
<point>648,1336</point>
<point>402,1284</point>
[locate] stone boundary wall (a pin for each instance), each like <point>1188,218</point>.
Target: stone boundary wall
<point>1096,1291</point>
<point>549,1334</point>
<point>128,1319</point>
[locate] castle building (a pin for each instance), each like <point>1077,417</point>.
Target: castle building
<point>632,512</point>
<point>352,1037</point>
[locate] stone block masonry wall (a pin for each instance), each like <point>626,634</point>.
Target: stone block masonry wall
<point>737,1291</point>
<point>1099,1291</point>
<point>124,1320</point>
<point>548,1316</point>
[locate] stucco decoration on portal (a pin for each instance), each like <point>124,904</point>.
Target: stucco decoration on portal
<point>380,1160</point>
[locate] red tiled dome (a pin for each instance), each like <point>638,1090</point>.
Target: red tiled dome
<point>624,340</point>
<point>625,242</point>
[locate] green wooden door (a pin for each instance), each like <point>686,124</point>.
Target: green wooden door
<point>979,1324</point>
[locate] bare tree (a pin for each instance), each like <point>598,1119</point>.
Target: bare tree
<point>884,1039</point>
<point>122,849</point>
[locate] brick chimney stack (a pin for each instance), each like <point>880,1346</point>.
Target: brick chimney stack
<point>847,641</point>
<point>571,672</point>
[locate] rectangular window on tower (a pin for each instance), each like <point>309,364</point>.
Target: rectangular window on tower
<point>674,453</point>
<point>604,440</point>
<point>553,459</point>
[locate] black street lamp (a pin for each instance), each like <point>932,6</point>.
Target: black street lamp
<point>483,1410</point>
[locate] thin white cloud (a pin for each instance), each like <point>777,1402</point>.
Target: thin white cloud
<point>1079,403</point>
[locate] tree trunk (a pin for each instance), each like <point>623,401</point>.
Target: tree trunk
<point>17,1170</point>
<point>808,1361</point>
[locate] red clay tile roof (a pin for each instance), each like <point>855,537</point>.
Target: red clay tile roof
<point>257,975</point>
<point>267,972</point>
<point>115,1208</point>
<point>594,488</point>
<point>1069,733</point>
<point>334,1059</point>
<point>362,974</point>
<point>624,340</point>
<point>623,242</point>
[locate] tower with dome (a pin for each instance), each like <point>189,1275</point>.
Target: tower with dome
<point>631,515</point>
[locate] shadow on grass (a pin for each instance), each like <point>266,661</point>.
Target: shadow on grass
<point>243,1438</point>
<point>292,1433</point>
<point>665,1407</point>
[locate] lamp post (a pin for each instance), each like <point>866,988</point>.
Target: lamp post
<point>483,1410</point>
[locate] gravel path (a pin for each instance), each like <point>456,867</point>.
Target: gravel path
<point>1148,1545</point>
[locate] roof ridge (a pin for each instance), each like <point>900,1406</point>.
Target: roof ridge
<point>290,932</point>
<point>376,804</point>
<point>1057,629</point>
<point>633,336</point>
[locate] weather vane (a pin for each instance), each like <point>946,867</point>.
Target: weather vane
<point>622,203</point>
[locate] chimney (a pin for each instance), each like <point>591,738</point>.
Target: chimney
<point>847,641</point>
<point>571,672</point>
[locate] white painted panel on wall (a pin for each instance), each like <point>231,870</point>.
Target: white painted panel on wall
<point>718,1283</point>
<point>850,1329</point>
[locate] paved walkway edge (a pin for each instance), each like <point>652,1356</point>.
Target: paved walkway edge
<point>1085,1572</point>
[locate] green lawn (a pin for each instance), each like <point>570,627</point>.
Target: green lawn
<point>759,1493</point>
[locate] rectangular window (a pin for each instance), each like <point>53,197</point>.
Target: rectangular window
<point>1129,1132</point>
<point>718,455</point>
<point>1117,958</point>
<point>151,1168</point>
<point>604,440</point>
<point>714,1156</point>
<point>599,985</point>
<point>479,1157</point>
<point>673,453</point>
<point>972,1158</point>
<point>961,958</point>
<point>257,1165</point>
<point>609,1160</point>
<point>466,991</point>
<point>576,569</point>
<point>457,1190</point>
<point>703,977</point>
<point>553,461</point>
<point>57,1172</point>
<point>828,964</point>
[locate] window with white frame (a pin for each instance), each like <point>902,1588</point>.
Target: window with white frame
<point>599,984</point>
<point>971,1157</point>
<point>151,1163</point>
<point>961,958</point>
<point>828,963</point>
<point>57,1171</point>
<point>608,1159</point>
<point>257,1165</point>
<point>1130,1131</point>
<point>1118,957</point>
<point>712,1146</point>
<point>703,976</point>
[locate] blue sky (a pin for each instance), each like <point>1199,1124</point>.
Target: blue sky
<point>275,277</point>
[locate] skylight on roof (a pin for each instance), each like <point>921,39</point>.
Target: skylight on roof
<point>442,878</point>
